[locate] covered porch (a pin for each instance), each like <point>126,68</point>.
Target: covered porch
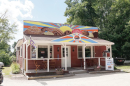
<point>63,54</point>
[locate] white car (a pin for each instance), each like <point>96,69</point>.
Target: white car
<point>1,64</point>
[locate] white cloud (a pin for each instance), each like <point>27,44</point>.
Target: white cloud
<point>17,11</point>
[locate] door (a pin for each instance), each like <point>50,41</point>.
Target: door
<point>68,56</point>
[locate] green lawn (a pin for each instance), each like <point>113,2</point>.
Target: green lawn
<point>6,71</point>
<point>125,68</point>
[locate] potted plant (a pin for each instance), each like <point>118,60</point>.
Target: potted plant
<point>97,68</point>
<point>60,71</point>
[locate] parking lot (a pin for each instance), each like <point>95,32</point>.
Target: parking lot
<point>85,79</point>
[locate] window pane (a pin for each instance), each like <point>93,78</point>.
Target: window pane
<point>79,48</point>
<point>79,54</point>
<point>33,52</point>
<point>42,52</point>
<point>88,52</point>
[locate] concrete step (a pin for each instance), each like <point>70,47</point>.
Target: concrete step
<point>77,71</point>
<point>105,71</point>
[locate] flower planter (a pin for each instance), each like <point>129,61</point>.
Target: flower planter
<point>59,72</point>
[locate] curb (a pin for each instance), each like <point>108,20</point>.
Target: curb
<point>47,77</point>
<point>94,72</point>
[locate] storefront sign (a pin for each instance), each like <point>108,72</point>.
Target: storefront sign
<point>109,63</point>
<point>77,31</point>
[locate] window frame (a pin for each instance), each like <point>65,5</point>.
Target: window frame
<point>21,51</point>
<point>51,46</point>
<point>78,52</point>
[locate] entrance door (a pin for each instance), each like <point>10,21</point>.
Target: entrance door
<point>68,56</point>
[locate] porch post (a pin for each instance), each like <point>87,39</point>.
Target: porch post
<point>99,61</point>
<point>48,58</point>
<point>92,51</point>
<point>84,56</point>
<point>110,51</point>
<point>65,59</point>
<point>26,57</point>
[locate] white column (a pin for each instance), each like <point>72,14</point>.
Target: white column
<point>98,61</point>
<point>92,51</point>
<point>110,51</point>
<point>26,57</point>
<point>23,57</point>
<point>83,49</point>
<point>65,59</point>
<point>48,58</point>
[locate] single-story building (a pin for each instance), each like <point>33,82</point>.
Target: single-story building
<point>52,45</point>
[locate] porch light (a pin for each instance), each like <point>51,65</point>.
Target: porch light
<point>73,48</point>
<point>58,49</point>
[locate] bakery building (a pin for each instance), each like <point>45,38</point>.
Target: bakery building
<point>47,46</point>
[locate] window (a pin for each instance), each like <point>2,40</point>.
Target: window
<point>33,52</point>
<point>21,51</point>
<point>88,51</point>
<point>63,52</point>
<point>43,51</point>
<point>79,51</point>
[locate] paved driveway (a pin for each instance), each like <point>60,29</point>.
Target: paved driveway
<point>108,79</point>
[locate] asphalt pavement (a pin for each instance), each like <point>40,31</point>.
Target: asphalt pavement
<point>85,79</point>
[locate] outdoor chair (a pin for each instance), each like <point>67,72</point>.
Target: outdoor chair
<point>36,65</point>
<point>52,64</point>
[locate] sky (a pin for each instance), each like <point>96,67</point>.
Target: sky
<point>35,10</point>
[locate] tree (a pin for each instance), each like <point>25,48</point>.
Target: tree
<point>6,30</point>
<point>80,12</point>
<point>110,16</point>
<point>115,30</point>
<point>6,34</point>
<point>13,46</point>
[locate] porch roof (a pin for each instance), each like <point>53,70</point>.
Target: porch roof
<point>48,39</point>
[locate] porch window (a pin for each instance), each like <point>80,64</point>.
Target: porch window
<point>33,52</point>
<point>79,51</point>
<point>43,51</point>
<point>88,51</point>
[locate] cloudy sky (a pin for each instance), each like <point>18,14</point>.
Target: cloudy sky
<point>36,10</point>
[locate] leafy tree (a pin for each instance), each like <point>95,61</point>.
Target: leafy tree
<point>13,46</point>
<point>111,16</point>
<point>115,30</point>
<point>80,12</point>
<point>6,34</point>
<point>6,30</point>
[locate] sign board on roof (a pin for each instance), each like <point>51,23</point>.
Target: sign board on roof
<point>44,28</point>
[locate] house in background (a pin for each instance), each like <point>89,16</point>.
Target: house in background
<point>55,45</point>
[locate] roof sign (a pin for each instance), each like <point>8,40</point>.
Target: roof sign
<point>75,38</point>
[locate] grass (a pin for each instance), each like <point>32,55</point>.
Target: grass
<point>125,68</point>
<point>6,71</point>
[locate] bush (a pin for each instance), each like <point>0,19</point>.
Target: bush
<point>4,57</point>
<point>12,58</point>
<point>15,68</point>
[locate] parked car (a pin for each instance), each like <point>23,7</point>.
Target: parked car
<point>119,61</point>
<point>1,75</point>
<point>1,64</point>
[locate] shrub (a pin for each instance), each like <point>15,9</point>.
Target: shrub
<point>15,68</point>
<point>12,58</point>
<point>4,57</point>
